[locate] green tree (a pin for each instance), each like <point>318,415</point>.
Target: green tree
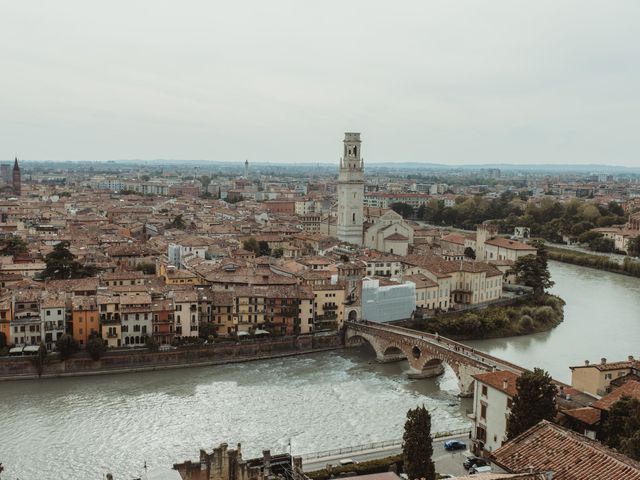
<point>417,447</point>
<point>62,264</point>
<point>277,252</point>
<point>634,247</point>
<point>207,329</point>
<point>263,249</point>
<point>251,245</point>
<point>622,427</point>
<point>403,209</point>
<point>66,346</point>
<point>533,270</point>
<point>534,401</point>
<point>95,347</point>
<point>40,359</point>
<point>146,267</point>
<point>12,245</point>
<point>177,223</point>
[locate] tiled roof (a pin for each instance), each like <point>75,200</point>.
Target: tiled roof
<point>569,455</point>
<point>509,244</point>
<point>629,389</point>
<point>496,380</point>
<point>588,415</point>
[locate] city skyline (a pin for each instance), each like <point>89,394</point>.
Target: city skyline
<point>473,83</point>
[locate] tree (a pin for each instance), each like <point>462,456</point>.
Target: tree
<point>277,252</point>
<point>95,348</point>
<point>66,345</point>
<point>403,209</point>
<point>417,447</point>
<point>207,329</point>
<point>534,401</point>
<point>62,264</point>
<point>40,358</point>
<point>147,268</point>
<point>633,246</point>
<point>13,245</point>
<point>533,270</point>
<point>177,223</point>
<point>470,253</point>
<point>251,245</point>
<point>263,249</point>
<point>622,426</point>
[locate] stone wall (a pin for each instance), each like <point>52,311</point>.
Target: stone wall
<point>142,359</point>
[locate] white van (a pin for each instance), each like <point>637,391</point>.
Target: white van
<point>484,469</point>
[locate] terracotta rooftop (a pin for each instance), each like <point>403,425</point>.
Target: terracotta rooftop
<point>588,415</point>
<point>571,456</point>
<point>509,244</point>
<point>629,389</point>
<point>496,380</point>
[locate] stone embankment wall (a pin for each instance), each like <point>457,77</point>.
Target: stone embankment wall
<point>122,361</point>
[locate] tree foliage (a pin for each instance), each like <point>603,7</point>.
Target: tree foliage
<point>534,401</point>
<point>12,245</point>
<point>251,245</point>
<point>66,346</point>
<point>403,209</point>
<point>549,218</point>
<point>417,447</point>
<point>177,223</point>
<point>533,270</point>
<point>622,427</point>
<point>62,264</point>
<point>95,347</point>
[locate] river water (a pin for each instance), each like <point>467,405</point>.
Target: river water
<point>82,428</point>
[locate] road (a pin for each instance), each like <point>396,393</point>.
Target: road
<point>446,462</point>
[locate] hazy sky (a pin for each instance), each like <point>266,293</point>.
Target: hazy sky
<point>505,81</point>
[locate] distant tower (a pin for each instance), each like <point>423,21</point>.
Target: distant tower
<point>246,168</point>
<point>351,191</point>
<point>5,173</point>
<point>16,178</point>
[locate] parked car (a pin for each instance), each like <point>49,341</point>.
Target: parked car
<point>473,461</point>
<point>474,470</point>
<point>454,445</point>
<point>347,461</point>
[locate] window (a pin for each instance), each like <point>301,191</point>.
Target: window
<point>484,390</point>
<point>483,411</point>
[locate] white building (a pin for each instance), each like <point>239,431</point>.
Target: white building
<point>186,315</point>
<point>351,191</point>
<point>187,248</point>
<point>492,398</point>
<point>388,302</point>
<point>53,318</point>
<point>390,233</point>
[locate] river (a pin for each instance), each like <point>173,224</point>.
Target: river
<point>602,319</point>
<point>82,428</point>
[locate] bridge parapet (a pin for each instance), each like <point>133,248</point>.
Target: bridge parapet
<point>425,352</point>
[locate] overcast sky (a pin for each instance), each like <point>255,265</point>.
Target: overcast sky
<point>545,81</point>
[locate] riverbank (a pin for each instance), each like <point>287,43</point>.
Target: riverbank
<point>523,317</point>
<point>123,361</point>
<point>600,262</point>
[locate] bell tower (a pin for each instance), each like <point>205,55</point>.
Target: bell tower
<point>16,178</point>
<point>351,191</point>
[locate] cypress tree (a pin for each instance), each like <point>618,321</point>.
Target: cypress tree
<point>535,401</point>
<point>417,447</point>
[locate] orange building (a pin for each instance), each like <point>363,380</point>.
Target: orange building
<point>84,318</point>
<point>5,318</point>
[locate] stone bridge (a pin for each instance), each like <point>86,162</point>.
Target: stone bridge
<point>425,352</point>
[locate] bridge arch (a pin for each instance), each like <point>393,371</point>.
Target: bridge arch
<point>426,354</point>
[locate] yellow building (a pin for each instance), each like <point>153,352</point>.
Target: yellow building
<point>110,321</point>
<point>328,303</point>
<point>595,378</point>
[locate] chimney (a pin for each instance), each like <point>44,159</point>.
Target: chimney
<point>603,361</point>
<point>631,359</point>
<point>505,383</point>
<point>549,475</point>
<point>586,362</point>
